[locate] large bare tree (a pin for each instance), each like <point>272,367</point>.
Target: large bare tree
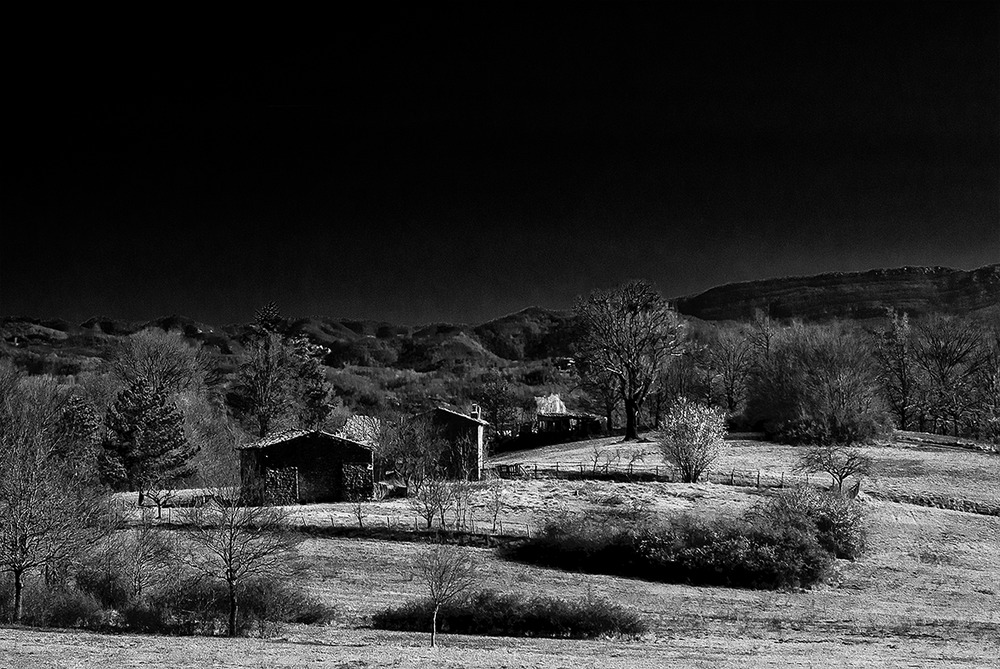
<point>51,512</point>
<point>161,361</point>
<point>630,332</point>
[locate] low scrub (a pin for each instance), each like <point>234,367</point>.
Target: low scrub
<point>196,606</point>
<point>185,607</point>
<point>787,542</point>
<point>62,607</point>
<point>492,613</point>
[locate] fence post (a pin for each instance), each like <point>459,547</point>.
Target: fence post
<point>527,530</point>
<point>501,527</point>
<point>782,484</point>
<point>536,470</point>
<point>581,468</point>
<point>758,478</point>
<point>732,476</point>
<point>656,472</point>
<point>557,468</point>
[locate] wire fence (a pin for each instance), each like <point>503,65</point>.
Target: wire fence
<point>473,526</point>
<point>664,473</point>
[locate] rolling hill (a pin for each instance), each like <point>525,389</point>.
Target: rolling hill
<point>852,295</point>
<point>534,333</point>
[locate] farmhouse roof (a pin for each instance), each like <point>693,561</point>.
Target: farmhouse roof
<point>452,412</point>
<point>550,405</point>
<point>291,435</point>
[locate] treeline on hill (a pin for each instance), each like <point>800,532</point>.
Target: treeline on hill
<point>936,373</point>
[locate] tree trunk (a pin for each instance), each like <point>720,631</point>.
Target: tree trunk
<point>610,416</point>
<point>434,624</point>
<point>631,416</point>
<point>141,497</point>
<point>18,588</point>
<point>233,608</point>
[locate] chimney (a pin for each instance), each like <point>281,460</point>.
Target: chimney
<point>476,412</point>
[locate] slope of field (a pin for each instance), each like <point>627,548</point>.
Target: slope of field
<point>925,596</point>
<point>926,593</point>
<point>901,469</point>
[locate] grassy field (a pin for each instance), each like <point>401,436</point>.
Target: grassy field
<point>900,468</point>
<point>926,594</point>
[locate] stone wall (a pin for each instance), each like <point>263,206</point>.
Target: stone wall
<point>358,483</point>
<point>281,486</point>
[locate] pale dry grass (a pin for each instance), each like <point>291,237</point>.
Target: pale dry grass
<point>900,468</point>
<point>924,596</point>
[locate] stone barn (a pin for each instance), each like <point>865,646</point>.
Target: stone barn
<point>464,434</point>
<point>304,466</point>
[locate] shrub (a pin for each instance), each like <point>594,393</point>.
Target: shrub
<point>691,437</point>
<point>199,606</point>
<point>62,607</point>
<point>788,542</point>
<point>839,523</point>
<point>491,613</point>
<point>267,603</point>
<point>108,587</point>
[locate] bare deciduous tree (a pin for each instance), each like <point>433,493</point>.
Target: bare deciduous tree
<point>234,543</point>
<point>691,438</point>
<point>51,512</point>
<point>159,360</point>
<point>730,357</point>
<point>496,498</point>
<point>415,448</point>
<point>432,498</point>
<point>949,354</point>
<point>630,332</point>
<point>894,352</point>
<point>840,462</point>
<point>448,572</point>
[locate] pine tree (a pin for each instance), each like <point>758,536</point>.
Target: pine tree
<point>145,447</point>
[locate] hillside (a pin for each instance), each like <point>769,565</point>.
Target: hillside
<point>532,334</point>
<point>851,295</point>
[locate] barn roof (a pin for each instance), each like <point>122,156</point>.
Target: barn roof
<point>291,435</point>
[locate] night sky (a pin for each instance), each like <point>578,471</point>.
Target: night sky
<point>461,162</point>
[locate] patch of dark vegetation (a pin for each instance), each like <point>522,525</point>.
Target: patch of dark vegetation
<point>189,606</point>
<point>409,534</point>
<point>786,541</point>
<point>491,613</point>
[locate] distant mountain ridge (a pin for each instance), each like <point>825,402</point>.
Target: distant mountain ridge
<point>536,333</point>
<point>851,295</point>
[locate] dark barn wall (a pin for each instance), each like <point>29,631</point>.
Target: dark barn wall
<point>455,428</point>
<point>320,463</point>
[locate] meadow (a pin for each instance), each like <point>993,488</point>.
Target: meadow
<point>926,594</point>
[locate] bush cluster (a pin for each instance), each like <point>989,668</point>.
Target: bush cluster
<point>492,613</point>
<point>788,541</point>
<point>98,601</point>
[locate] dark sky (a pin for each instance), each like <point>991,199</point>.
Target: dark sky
<point>460,162</point>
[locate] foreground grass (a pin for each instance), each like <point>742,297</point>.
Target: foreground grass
<point>363,649</point>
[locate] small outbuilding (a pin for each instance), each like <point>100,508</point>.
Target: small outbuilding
<point>464,434</point>
<point>305,466</point>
